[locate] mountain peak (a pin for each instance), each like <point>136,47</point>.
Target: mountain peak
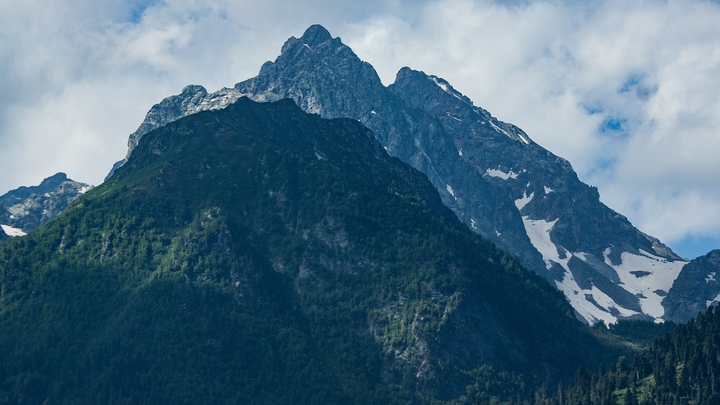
<point>316,34</point>
<point>26,208</point>
<point>54,180</point>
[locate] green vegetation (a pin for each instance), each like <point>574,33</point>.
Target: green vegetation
<point>640,334</point>
<point>678,368</point>
<point>261,255</point>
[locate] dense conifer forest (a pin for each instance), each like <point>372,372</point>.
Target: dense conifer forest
<point>681,367</point>
<point>261,255</point>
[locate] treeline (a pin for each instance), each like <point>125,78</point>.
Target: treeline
<point>682,368</point>
<point>679,367</point>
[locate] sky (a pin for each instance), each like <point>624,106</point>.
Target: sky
<point>628,91</point>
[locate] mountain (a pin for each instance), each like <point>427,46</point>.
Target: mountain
<point>259,254</point>
<point>695,289</point>
<point>494,177</point>
<point>26,208</point>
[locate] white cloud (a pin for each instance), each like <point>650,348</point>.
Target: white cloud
<point>77,77</point>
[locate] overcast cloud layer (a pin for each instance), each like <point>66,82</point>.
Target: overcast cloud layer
<point>627,91</point>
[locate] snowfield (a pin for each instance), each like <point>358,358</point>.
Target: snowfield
<point>644,275</point>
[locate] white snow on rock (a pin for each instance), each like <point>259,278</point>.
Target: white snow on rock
<point>592,304</point>
<point>710,277</point>
<point>498,129</point>
<point>10,231</point>
<point>506,133</point>
<point>450,190</point>
<point>501,174</point>
<point>440,84</point>
<point>592,313</point>
<point>645,273</point>
<point>641,274</point>
<point>522,202</point>
<point>548,190</point>
<point>460,152</point>
<point>446,89</point>
<point>538,231</point>
<point>472,223</point>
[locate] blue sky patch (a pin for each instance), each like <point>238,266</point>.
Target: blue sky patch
<point>612,125</point>
<point>691,247</point>
<point>630,83</point>
<point>137,9</point>
<point>592,110</point>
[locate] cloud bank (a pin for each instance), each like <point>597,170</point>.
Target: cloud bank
<point>627,91</point>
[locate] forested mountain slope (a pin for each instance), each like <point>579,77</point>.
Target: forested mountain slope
<point>261,255</point>
<point>679,368</point>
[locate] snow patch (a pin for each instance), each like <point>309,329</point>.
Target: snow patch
<point>460,152</point>
<point>446,89</point>
<point>441,85</point>
<point>10,231</point>
<point>498,129</point>
<point>661,275</point>
<point>548,190</point>
<point>85,189</point>
<point>498,234</point>
<point>373,112</point>
<point>501,174</point>
<point>520,203</point>
<point>450,190</point>
<point>473,225</point>
<point>592,304</point>
<point>538,230</point>
<point>710,277</point>
<point>506,133</point>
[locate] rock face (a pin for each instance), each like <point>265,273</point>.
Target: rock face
<point>26,208</point>
<point>696,288</point>
<point>492,175</point>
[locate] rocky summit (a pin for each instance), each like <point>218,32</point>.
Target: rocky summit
<point>493,176</point>
<point>26,208</point>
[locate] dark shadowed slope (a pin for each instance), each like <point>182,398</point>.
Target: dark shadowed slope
<point>258,254</point>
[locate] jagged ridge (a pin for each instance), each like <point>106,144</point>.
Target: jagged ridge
<point>491,174</point>
<point>26,208</point>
